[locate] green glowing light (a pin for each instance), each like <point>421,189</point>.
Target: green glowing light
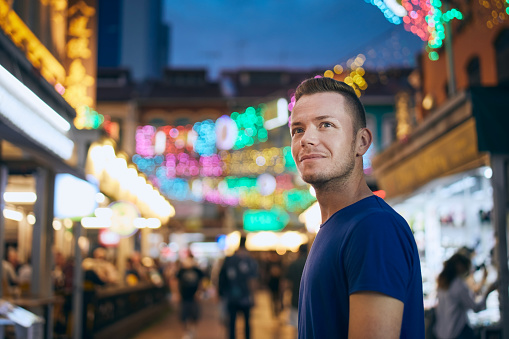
<point>433,56</point>
<point>298,200</point>
<point>91,119</point>
<point>250,127</point>
<point>289,162</point>
<point>262,134</point>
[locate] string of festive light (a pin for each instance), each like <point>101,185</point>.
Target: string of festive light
<point>233,191</point>
<point>391,9</point>
<point>191,162</point>
<point>426,20</point>
<point>498,11</point>
<point>238,163</point>
<point>352,75</point>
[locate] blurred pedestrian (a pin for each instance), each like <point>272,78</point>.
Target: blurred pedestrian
<point>292,281</point>
<point>237,280</point>
<point>98,269</point>
<point>274,271</point>
<point>362,278</point>
<point>189,279</point>
<point>25,277</point>
<point>136,264</point>
<point>455,298</point>
<point>10,279</point>
<point>475,286</point>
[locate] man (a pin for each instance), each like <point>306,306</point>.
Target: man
<point>236,285</point>
<point>292,280</point>
<point>362,278</point>
<point>189,279</point>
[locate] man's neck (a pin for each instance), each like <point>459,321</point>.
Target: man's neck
<point>336,196</point>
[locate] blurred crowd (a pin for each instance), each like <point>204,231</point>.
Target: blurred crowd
<point>231,282</point>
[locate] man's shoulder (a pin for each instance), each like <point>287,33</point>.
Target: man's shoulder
<point>380,214</point>
<point>378,222</point>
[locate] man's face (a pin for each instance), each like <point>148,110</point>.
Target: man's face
<point>323,143</point>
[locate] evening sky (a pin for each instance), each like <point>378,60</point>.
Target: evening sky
<point>294,34</point>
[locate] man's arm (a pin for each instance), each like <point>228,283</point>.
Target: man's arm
<point>374,315</point>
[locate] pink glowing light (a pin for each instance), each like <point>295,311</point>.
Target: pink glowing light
<point>174,133</point>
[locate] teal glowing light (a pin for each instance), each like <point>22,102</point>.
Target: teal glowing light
<point>250,127</point>
<point>298,200</point>
<point>240,183</point>
<point>260,220</point>
<point>176,188</point>
<point>289,162</point>
<point>392,14</point>
<point>452,14</point>
<point>205,144</point>
<point>92,119</point>
<point>433,56</point>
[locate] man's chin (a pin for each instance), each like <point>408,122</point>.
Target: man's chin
<point>313,179</point>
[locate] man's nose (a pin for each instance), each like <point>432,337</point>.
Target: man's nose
<point>309,137</point>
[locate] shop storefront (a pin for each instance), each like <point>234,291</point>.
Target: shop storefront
<point>441,181</point>
<point>37,144</point>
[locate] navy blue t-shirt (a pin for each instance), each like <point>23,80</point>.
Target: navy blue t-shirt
<point>366,246</point>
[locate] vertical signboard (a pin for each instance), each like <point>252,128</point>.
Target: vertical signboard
<point>81,54</point>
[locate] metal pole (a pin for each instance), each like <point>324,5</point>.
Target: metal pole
<point>451,84</point>
<point>500,191</point>
<point>42,240</point>
<point>77,286</point>
<point>3,184</point>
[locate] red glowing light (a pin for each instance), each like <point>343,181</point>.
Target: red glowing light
<point>380,193</point>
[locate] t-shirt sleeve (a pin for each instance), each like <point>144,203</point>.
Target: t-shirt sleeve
<point>378,256</point>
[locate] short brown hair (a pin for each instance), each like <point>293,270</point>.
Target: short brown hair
<point>323,85</point>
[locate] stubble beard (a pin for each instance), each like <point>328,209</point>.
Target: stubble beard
<point>332,179</point>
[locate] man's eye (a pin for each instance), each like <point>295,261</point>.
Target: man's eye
<point>296,131</point>
<point>326,124</point>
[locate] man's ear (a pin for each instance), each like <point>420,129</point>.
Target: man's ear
<point>364,139</point>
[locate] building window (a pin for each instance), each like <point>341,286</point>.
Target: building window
<point>474,72</point>
<point>502,50</point>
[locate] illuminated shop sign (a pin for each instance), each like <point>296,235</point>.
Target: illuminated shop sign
<point>281,114</point>
<point>20,105</point>
<point>74,197</point>
<point>26,41</point>
<point>260,220</point>
<point>121,180</point>
<point>81,66</point>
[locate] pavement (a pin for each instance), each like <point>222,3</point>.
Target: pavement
<point>264,325</point>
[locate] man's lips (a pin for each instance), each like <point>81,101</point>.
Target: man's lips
<point>311,157</point>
